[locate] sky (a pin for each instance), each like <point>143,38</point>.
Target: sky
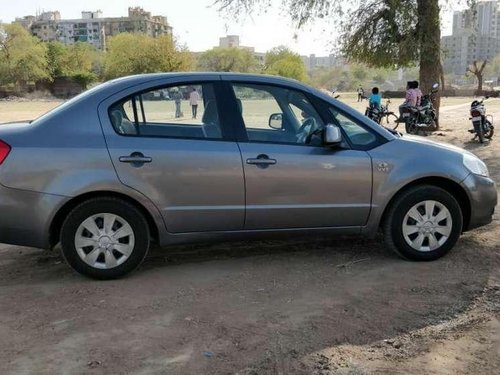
<point>198,25</point>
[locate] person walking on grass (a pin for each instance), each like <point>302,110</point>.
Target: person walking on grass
<point>177,99</point>
<point>361,94</point>
<point>193,101</point>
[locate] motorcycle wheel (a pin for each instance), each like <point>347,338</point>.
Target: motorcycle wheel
<point>411,127</point>
<point>489,133</point>
<point>480,134</point>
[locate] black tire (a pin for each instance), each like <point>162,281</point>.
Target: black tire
<point>124,210</point>
<point>392,117</point>
<point>411,126</point>
<point>433,125</point>
<point>403,203</point>
<point>480,133</point>
<point>490,132</point>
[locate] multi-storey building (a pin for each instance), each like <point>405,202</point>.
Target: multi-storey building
<point>229,41</point>
<point>475,37</point>
<point>93,28</point>
<point>233,41</point>
<point>312,61</point>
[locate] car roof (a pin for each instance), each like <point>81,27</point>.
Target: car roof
<point>132,80</point>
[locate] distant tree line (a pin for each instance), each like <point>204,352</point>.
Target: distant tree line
<point>25,60</point>
<point>279,61</point>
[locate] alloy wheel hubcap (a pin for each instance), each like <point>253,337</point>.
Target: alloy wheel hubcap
<point>104,240</point>
<point>427,225</point>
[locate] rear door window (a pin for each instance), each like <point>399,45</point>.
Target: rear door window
<point>180,111</point>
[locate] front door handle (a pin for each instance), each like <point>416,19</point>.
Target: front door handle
<point>135,158</point>
<point>262,161</point>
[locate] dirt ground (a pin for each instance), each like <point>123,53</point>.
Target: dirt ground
<point>303,306</point>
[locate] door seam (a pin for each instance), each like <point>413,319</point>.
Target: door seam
<point>244,187</point>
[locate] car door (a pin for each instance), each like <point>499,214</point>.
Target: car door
<point>291,179</point>
<point>185,162</point>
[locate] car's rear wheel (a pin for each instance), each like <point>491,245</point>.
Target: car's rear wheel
<point>423,223</point>
<point>105,238</point>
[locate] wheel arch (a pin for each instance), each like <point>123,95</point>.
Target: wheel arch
<point>455,189</point>
<point>62,213</point>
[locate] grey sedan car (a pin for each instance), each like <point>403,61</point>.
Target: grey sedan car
<point>229,156</point>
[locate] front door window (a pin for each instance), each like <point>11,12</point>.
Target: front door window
<point>278,115</point>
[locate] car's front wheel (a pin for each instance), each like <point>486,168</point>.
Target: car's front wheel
<point>105,238</point>
<point>423,223</point>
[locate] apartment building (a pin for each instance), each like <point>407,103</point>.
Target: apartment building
<point>93,28</point>
<point>475,36</point>
<point>312,61</point>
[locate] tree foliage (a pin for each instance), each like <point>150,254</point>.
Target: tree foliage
<point>286,63</point>
<point>230,59</point>
<point>381,33</point>
<point>80,61</point>
<point>347,78</point>
<point>359,72</point>
<point>492,69</point>
<point>22,57</point>
<point>134,53</point>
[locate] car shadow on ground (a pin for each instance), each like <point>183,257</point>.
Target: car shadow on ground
<point>49,265</point>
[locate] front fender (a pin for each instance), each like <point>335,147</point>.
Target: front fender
<point>402,162</point>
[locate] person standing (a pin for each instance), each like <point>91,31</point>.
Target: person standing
<point>418,94</point>
<point>177,98</point>
<point>193,101</point>
<point>361,93</point>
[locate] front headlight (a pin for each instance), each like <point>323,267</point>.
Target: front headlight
<point>475,165</point>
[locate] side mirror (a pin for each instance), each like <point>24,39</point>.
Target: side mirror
<point>332,135</point>
<point>276,121</point>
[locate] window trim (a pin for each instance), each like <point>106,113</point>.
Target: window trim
<point>219,95</point>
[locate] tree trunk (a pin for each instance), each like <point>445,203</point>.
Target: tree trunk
<point>429,39</point>
<point>479,82</point>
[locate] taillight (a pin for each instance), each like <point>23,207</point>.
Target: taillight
<point>475,113</point>
<point>4,151</point>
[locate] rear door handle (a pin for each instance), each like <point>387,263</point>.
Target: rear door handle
<point>261,161</point>
<point>135,158</point>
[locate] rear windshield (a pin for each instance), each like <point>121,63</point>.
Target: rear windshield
<point>68,103</point>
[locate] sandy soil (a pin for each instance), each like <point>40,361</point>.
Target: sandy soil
<point>320,306</point>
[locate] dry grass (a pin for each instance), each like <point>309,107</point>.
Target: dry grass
<point>454,111</point>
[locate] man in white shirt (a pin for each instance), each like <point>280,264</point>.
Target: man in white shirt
<point>193,101</point>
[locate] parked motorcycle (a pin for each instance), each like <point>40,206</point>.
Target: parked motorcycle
<point>483,123</point>
<point>377,114</point>
<point>420,118</point>
<point>373,112</point>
